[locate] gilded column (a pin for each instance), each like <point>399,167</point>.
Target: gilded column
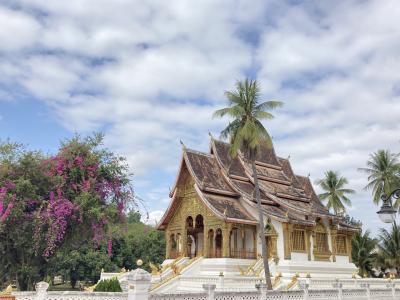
<point>348,244</point>
<point>206,245</point>
<point>286,240</point>
<point>334,243</point>
<point>243,248</point>
<point>184,240</point>
<point>308,242</point>
<point>225,240</point>
<point>167,244</point>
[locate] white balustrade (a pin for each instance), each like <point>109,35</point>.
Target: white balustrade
<point>138,283</point>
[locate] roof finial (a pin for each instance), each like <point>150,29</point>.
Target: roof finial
<point>210,134</point>
<point>183,145</point>
<point>309,174</point>
<point>288,157</point>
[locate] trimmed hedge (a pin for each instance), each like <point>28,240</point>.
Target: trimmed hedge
<point>108,285</point>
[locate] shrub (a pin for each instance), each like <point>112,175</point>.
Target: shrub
<point>108,285</point>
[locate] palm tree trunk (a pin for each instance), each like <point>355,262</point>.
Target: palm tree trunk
<point>264,250</point>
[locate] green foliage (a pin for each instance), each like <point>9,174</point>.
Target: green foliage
<point>382,170</point>
<point>363,252</point>
<point>137,241</point>
<point>108,285</point>
<point>245,131</point>
<point>133,217</point>
<point>335,192</point>
<point>63,206</point>
<point>389,248</point>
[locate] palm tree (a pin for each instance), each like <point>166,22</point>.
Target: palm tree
<point>335,194</point>
<point>246,133</point>
<point>389,247</point>
<point>382,169</point>
<point>363,252</point>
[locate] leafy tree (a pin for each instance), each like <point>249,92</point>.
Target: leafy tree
<point>246,133</point>
<point>133,217</point>
<point>56,202</point>
<point>382,169</point>
<point>389,248</point>
<point>137,241</point>
<point>363,252</point>
<point>335,194</point>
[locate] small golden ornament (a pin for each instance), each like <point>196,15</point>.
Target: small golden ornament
<point>139,262</point>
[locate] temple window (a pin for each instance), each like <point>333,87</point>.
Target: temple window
<point>321,242</point>
<point>321,246</point>
<point>298,240</point>
<point>218,243</point>
<point>189,222</point>
<point>199,221</point>
<point>341,247</point>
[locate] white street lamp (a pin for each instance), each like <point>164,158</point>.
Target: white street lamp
<point>387,213</point>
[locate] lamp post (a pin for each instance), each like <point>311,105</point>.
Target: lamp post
<point>387,213</point>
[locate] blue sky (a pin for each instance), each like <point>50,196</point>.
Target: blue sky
<point>150,73</point>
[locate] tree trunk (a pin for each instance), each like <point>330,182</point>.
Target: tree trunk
<point>264,250</point>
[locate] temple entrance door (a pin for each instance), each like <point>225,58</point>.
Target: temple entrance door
<point>195,232</point>
<point>218,243</point>
<point>210,251</point>
<point>199,235</point>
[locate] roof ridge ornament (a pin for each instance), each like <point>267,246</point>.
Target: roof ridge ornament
<point>183,145</point>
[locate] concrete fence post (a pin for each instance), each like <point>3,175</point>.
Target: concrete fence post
<point>41,290</point>
<point>221,280</point>
<point>368,291</point>
<point>304,285</point>
<point>392,286</point>
<point>210,290</point>
<point>262,289</point>
<point>139,282</point>
<point>339,286</point>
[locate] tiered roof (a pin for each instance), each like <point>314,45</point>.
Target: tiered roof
<point>225,185</point>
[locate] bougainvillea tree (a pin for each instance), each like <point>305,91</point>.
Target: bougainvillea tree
<point>48,203</point>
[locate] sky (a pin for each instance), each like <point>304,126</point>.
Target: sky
<point>150,73</point>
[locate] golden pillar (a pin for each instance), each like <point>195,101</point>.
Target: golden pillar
<point>334,243</point>
<point>243,233</point>
<point>287,232</point>
<point>184,240</point>
<point>308,242</point>
<point>206,245</point>
<point>348,245</point>
<point>225,240</point>
<point>167,244</point>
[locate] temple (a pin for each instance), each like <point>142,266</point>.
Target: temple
<point>213,215</point>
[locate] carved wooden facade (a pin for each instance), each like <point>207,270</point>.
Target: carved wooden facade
<point>209,214</point>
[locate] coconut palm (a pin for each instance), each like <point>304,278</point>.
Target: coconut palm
<point>363,252</point>
<point>389,247</point>
<point>382,169</point>
<point>246,133</point>
<point>335,193</point>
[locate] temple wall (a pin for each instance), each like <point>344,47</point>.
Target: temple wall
<point>280,241</point>
<point>342,259</point>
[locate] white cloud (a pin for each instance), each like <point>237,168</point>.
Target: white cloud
<point>153,218</point>
<point>150,74</point>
